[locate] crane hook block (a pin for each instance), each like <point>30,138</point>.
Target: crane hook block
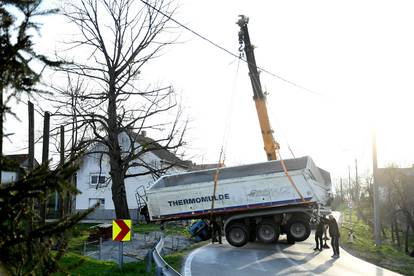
<point>243,20</point>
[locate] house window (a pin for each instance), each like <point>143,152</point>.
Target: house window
<point>97,179</point>
<point>93,201</point>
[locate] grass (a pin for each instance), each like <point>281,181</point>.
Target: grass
<point>176,259</point>
<point>76,264</point>
<point>79,265</point>
<point>169,229</point>
<point>79,235</point>
<point>386,256</point>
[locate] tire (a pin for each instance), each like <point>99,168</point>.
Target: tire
<point>267,232</point>
<point>237,234</point>
<point>297,229</point>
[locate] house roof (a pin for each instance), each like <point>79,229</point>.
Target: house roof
<point>160,151</point>
<point>21,159</point>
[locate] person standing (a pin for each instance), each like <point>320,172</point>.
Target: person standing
<point>335,235</point>
<point>216,232</point>
<point>320,227</point>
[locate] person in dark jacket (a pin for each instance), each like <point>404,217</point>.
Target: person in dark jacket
<point>320,227</point>
<point>335,235</point>
<point>216,232</point>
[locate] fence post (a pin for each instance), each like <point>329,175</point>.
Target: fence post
<point>149,261</point>
<point>121,254</point>
<point>178,242</point>
<point>100,248</point>
<point>158,271</point>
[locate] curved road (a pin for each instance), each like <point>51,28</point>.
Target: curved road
<point>275,259</point>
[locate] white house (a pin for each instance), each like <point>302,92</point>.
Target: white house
<point>93,180</point>
<point>23,161</point>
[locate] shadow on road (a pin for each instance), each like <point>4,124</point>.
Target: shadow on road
<point>322,268</point>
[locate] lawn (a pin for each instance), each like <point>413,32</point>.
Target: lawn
<point>79,235</point>
<point>176,259</point>
<point>169,229</point>
<point>76,264</point>
<point>386,256</point>
<point>81,232</point>
<point>79,265</point>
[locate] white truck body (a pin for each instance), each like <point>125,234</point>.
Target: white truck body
<point>239,189</point>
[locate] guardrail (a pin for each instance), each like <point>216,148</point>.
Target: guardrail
<point>162,267</point>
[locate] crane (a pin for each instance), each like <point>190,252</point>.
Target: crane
<point>270,145</point>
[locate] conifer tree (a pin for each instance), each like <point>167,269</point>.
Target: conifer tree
<point>27,245</point>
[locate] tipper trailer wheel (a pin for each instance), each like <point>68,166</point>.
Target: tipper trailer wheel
<point>267,232</point>
<point>237,234</point>
<point>298,229</point>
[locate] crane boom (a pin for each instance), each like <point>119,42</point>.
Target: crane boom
<point>270,145</point>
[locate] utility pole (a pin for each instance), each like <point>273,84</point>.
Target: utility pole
<point>350,194</point>
<point>1,121</point>
<point>62,160</point>
<point>356,172</point>
<point>31,136</point>
<point>31,153</point>
<point>45,159</point>
<point>357,189</point>
<point>377,223</point>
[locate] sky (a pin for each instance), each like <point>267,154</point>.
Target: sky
<point>351,64</point>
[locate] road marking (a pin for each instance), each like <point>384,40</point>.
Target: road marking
<point>187,266</point>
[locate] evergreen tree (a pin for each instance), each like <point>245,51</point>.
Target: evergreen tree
<point>27,245</point>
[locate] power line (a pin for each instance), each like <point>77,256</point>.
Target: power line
<point>230,52</point>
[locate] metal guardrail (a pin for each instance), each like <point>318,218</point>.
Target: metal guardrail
<point>162,267</point>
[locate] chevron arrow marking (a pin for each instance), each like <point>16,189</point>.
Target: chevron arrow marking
<point>121,230</point>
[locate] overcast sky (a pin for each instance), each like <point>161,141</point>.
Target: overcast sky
<point>355,59</point>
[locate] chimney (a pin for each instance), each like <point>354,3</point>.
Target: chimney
<point>143,133</point>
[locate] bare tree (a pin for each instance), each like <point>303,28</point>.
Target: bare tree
<point>399,191</point>
<point>106,97</point>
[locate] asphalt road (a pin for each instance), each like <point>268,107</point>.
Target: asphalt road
<point>275,259</point>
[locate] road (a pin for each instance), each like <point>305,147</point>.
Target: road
<point>275,259</point>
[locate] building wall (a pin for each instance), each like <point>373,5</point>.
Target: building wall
<point>8,177</point>
<point>92,165</point>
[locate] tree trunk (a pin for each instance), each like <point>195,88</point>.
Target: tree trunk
<point>118,178</point>
<point>384,234</point>
<point>1,122</point>
<point>407,235</point>
<point>397,234</point>
<point>119,194</point>
<point>118,187</point>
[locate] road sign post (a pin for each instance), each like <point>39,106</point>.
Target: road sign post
<point>121,231</point>
<point>121,254</point>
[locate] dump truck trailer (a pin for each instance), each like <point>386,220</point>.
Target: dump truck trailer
<point>255,201</point>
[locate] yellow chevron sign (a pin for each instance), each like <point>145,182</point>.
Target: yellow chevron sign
<point>121,230</point>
